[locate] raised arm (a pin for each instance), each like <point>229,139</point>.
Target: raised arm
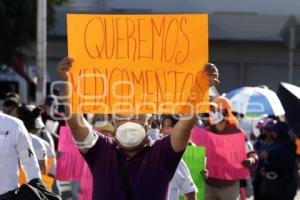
<point>79,126</point>
<point>182,130</point>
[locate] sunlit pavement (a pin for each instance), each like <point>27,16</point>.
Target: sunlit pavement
<point>296,198</point>
<point>66,192</point>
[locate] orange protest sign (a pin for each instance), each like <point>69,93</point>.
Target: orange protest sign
<point>138,63</point>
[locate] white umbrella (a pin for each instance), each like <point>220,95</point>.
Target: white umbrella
<point>255,101</point>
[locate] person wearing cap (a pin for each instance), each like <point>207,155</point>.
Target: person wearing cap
<point>128,166</point>
<point>182,183</point>
<point>223,122</point>
<point>262,137</point>
<point>260,144</point>
<point>277,169</point>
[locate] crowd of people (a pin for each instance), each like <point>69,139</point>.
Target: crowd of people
<point>140,156</point>
<point>33,133</point>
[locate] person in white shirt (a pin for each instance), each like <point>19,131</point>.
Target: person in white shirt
<point>40,150</point>
<point>48,141</point>
<point>29,116</point>
<point>51,166</point>
<point>182,183</point>
<point>45,139</point>
<point>15,150</point>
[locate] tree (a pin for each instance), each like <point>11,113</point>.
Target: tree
<point>18,30</point>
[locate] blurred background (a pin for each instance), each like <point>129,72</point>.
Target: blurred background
<point>252,42</point>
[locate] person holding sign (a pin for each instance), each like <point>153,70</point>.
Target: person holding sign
<point>128,166</point>
<point>225,150</point>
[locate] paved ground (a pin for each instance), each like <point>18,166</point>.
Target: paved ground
<point>66,195</point>
<point>296,198</point>
<point>66,188</point>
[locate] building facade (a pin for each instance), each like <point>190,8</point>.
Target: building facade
<point>244,36</point>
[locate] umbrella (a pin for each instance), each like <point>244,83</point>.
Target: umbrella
<point>255,101</point>
<point>289,95</point>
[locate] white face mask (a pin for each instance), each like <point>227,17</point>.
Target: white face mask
<point>216,117</point>
<point>255,131</point>
<point>130,134</point>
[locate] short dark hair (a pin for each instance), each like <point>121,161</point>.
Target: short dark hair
<point>28,117</point>
<point>11,102</point>
<point>174,119</point>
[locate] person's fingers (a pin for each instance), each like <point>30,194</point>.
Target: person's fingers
<point>204,173</point>
<point>65,62</point>
<point>216,82</point>
<point>212,72</point>
<point>211,69</point>
<point>70,59</point>
<point>65,67</point>
<point>213,76</point>
<point>246,163</point>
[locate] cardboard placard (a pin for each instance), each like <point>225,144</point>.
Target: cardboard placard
<point>224,153</point>
<point>194,158</point>
<point>137,64</point>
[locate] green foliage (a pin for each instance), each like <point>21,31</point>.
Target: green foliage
<point>18,25</point>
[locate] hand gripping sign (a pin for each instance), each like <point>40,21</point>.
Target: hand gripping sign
<point>138,63</point>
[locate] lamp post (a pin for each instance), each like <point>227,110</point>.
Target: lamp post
<point>292,33</point>
<point>290,36</point>
<point>41,57</point>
